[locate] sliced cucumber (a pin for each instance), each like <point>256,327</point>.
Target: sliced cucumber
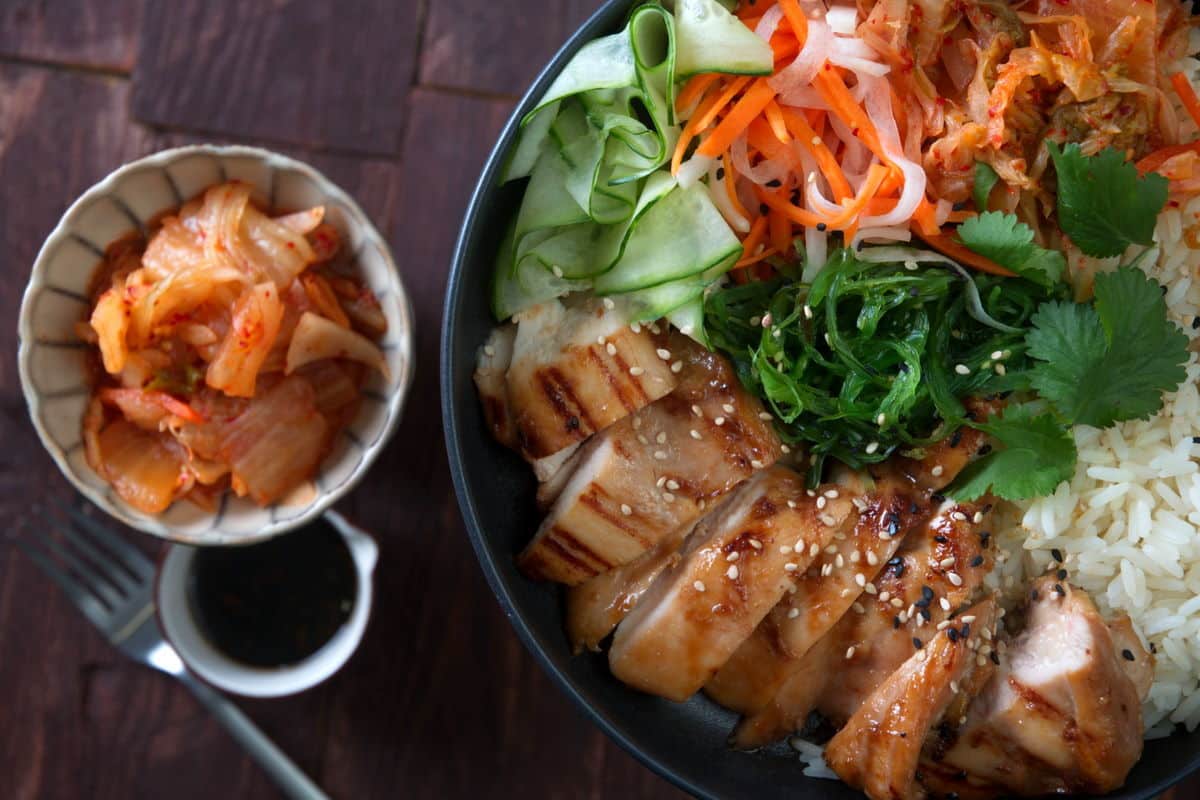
<point>710,39</point>
<point>530,141</point>
<point>683,234</point>
<point>689,319</point>
<point>660,301</point>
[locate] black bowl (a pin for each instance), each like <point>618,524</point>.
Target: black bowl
<point>685,743</point>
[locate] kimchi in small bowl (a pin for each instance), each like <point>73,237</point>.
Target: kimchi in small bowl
<point>215,344</point>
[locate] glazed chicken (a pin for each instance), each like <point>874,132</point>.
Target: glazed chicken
<point>1063,712</point>
<point>653,472</point>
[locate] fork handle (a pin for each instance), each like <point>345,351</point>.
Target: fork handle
<point>282,770</point>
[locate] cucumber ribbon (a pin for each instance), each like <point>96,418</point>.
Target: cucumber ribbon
<point>599,211</point>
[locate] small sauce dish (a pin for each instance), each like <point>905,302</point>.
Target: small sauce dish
<point>270,619</point>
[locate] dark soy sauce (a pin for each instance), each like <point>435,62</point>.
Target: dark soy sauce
<point>275,603</point>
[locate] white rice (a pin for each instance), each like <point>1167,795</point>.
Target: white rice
<point>1128,523</point>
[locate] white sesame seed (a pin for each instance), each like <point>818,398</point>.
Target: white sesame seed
<point>728,408</point>
<point>755,321</point>
<point>944,603</point>
<point>732,573</point>
<point>795,612</point>
<point>987,633</point>
<point>625,509</point>
<point>767,320</point>
<point>696,410</point>
<point>954,686</point>
<point>870,588</point>
<point>665,355</point>
<point>642,439</point>
<point>791,503</point>
<point>609,304</point>
<point>813,550</point>
<point>830,549</point>
<point>838,561</point>
<point>557,270</point>
<point>850,652</point>
<point>978,518</point>
<point>812,177</point>
<point>828,521</point>
<point>981,660</point>
<point>698,586</point>
<point>958,516</point>
<point>872,559</point>
<point>635,327</point>
<point>881,420</point>
<point>822,502</point>
<point>808,312</point>
<point>785,549</point>
<point>947,563</point>
<point>763,415</point>
<point>1001,370</point>
<point>670,498</point>
<point>661,438</point>
<point>872,447</point>
<point>791,566</point>
<point>826,570</point>
<point>654,328</point>
<point>858,608</point>
<point>855,557</point>
<point>695,434</point>
<point>661,455</point>
<point>719,421</point>
<point>673,485</point>
<point>810,493</point>
<point>986,365</point>
<point>896,602</point>
<point>962,369</point>
<point>885,596</point>
<point>662,479</point>
<point>860,579</point>
<point>677,367</point>
<point>859,503</point>
<point>489,350</point>
<point>941,626</point>
<point>734,556</point>
<point>969,618</point>
<point>784,448</point>
<point>754,462</point>
<point>954,578</point>
<point>910,265</point>
<point>756,544</point>
<point>997,355</point>
<point>937,471</point>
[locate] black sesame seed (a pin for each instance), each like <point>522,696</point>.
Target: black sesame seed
<point>952,633</point>
<point>720,173</point>
<point>937,498</point>
<point>987,508</point>
<point>1061,574</point>
<point>926,593</point>
<point>1058,587</point>
<point>572,423</point>
<point>1057,555</point>
<point>822,227</point>
<point>984,537</point>
<point>1127,654</point>
<point>1034,594</point>
<point>956,438</point>
<point>895,622</point>
<point>1195,323</point>
<point>795,197</point>
<point>917,643</point>
<point>959,206</point>
<point>763,209</point>
<point>924,612</point>
<point>995,658</point>
<point>1163,288</point>
<point>1153,648</point>
<point>976,561</point>
<point>913,508</point>
<point>983,451</point>
<point>1196,440</point>
<point>774,184</point>
<point>966,631</point>
<point>941,539</point>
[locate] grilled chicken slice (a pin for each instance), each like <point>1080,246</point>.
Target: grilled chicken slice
<point>879,749</point>
<point>1062,714</point>
<point>596,606</point>
<point>936,572</point>
<point>751,678</point>
<point>576,370</point>
<point>653,472</point>
<point>735,565</point>
<point>491,381</point>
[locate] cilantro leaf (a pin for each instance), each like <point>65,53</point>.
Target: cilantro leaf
<point>1009,242</point>
<point>985,181</point>
<point>1038,453</point>
<point>1109,362</point>
<point>1102,203</point>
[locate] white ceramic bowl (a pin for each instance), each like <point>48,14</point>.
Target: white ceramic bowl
<point>52,359</point>
<point>217,669</point>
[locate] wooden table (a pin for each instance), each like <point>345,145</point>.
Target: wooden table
<point>398,101</point>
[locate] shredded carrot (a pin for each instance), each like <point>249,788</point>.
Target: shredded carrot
<point>751,104</point>
<point>703,116</point>
<point>946,245</point>
<point>853,207</point>
<point>694,89</point>
<point>926,218</point>
<point>829,166</point>
<point>1159,157</point>
<point>731,189</point>
<point>755,237</point>
<point>796,214</point>
<point>795,18</point>
<point>1183,88</point>
<point>754,259</point>
<point>780,229</point>
<point>961,216</point>
<point>833,91</point>
<point>774,117</point>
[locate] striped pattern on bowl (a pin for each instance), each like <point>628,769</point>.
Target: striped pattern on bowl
<point>52,359</point>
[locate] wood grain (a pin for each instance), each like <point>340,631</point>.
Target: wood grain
<point>465,37</point>
<point>309,73</point>
<point>74,32</point>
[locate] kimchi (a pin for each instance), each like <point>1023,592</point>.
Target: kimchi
<point>232,346</point>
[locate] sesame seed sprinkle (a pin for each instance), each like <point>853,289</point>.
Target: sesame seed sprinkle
<point>822,502</point>
<point>860,579</point>
<point>997,355</point>
<point>850,652</point>
<point>695,434</point>
<point>635,327</point>
<point>557,270</point>
<point>719,421</point>
<point>756,544</point>
<point>677,367</point>
<point>944,603</point>
<point>732,573</point>
<point>673,484</point>
<point>795,612</point>
<point>978,518</point>
<point>1001,370</point>
<point>812,551</point>
<point>872,559</point>
<point>728,408</point>
<point>625,509</point>
<point>734,556</point>
<point>642,439</point>
<point>937,471</point>
<point>947,563</point>
<point>855,557</point>
<point>858,608</point>
<point>838,561</point>
<point>609,304</point>
<point>791,503</point>
<point>764,416</point>
<point>664,354</point>
<point>954,578</point>
<point>767,320</point>
<point>791,566</point>
<point>698,586</point>
<point>696,410</point>
<point>785,549</point>
<point>828,521</point>
<point>661,455</point>
<point>667,496</point>
<point>871,447</point>
<point>662,479</point>
<point>636,371</point>
<point>896,602</point>
<point>611,349</point>
<point>881,420</point>
<point>962,369</point>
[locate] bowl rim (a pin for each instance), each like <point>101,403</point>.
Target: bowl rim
<point>105,499</point>
<point>596,25</point>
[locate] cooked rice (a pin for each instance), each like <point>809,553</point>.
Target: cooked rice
<point>1127,523</point>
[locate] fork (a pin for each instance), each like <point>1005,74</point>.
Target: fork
<point>112,583</point>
